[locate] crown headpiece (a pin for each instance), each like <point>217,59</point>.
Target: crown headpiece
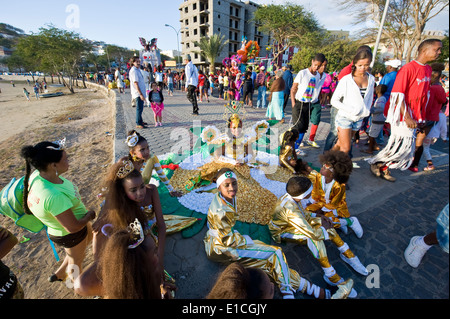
<point>132,140</point>
<point>126,169</point>
<point>136,232</point>
<point>61,145</point>
<point>234,109</point>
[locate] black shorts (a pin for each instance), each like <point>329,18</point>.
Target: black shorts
<point>70,240</point>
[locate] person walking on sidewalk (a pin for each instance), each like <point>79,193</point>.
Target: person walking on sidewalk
<point>137,87</point>
<point>407,113</point>
<point>261,84</point>
<point>191,82</point>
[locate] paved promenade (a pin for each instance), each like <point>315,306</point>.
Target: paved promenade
<point>390,213</point>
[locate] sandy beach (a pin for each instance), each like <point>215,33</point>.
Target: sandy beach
<point>85,119</point>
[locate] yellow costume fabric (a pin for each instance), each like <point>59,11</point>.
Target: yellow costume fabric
<point>332,202</point>
<point>174,223</point>
<point>287,154</point>
<point>147,169</point>
<point>291,222</point>
<point>223,244</point>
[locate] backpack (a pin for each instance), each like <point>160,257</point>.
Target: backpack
<point>11,205</point>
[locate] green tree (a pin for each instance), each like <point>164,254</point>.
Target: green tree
<point>288,25</point>
<point>211,47</point>
<point>54,50</point>
<point>338,53</point>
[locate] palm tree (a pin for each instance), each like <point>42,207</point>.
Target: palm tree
<point>211,47</point>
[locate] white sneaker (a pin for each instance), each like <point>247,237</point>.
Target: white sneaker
<point>300,152</point>
<point>344,229</point>
<point>356,227</point>
<point>414,252</point>
<point>355,264</point>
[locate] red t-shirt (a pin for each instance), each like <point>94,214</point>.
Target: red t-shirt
<point>201,80</point>
<point>346,70</point>
<point>437,98</point>
<point>413,80</point>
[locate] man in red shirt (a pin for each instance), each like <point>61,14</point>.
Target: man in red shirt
<point>407,112</point>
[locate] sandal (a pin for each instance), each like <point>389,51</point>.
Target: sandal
<point>429,168</point>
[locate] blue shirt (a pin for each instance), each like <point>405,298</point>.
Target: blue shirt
<point>388,80</point>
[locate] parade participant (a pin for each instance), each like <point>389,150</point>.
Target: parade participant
<point>144,161</point>
<point>222,244</point>
<point>407,113</point>
<point>56,202</point>
<point>328,195</point>
<point>156,100</point>
<point>316,107</point>
<point>353,98</point>
<point>129,265</point>
<point>239,282</point>
<point>191,83</point>
<point>301,94</point>
<point>128,199</point>
<point>291,222</point>
<point>288,156</point>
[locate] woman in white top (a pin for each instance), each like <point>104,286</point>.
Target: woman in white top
<point>353,98</point>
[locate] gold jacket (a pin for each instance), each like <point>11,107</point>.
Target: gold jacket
<point>333,203</point>
<point>223,244</point>
<point>286,154</point>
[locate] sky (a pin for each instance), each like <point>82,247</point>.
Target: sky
<point>122,22</point>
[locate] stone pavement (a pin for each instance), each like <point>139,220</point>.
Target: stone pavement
<point>390,213</point>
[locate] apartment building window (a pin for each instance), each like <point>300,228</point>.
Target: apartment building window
<point>236,24</point>
<point>186,22</point>
<point>237,12</point>
<point>186,10</point>
<point>195,31</point>
<point>194,6</point>
<point>195,19</point>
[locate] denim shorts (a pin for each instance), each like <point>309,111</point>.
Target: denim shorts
<point>345,123</point>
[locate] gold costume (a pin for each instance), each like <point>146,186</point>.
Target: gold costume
<point>223,244</point>
<point>174,223</point>
<point>332,201</point>
<point>153,164</point>
<point>287,153</point>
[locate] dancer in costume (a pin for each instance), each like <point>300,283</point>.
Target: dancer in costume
<point>407,113</point>
<point>292,222</point>
<point>328,194</point>
<point>146,162</point>
<point>288,156</point>
<point>128,198</point>
<point>223,244</point>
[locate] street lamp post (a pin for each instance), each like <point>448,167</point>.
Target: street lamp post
<point>178,42</point>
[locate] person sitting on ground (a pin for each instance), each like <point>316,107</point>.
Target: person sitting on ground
<point>223,244</point>
<point>239,282</point>
<point>291,222</point>
<point>288,156</point>
<point>328,195</point>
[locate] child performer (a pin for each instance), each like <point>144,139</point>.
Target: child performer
<point>145,162</point>
<point>328,194</point>
<point>129,265</point>
<point>156,99</point>
<point>128,199</point>
<point>378,118</point>
<point>291,221</point>
<point>288,156</point>
<point>223,244</point>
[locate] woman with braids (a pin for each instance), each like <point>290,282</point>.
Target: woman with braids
<point>56,202</point>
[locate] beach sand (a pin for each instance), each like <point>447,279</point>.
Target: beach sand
<point>83,118</point>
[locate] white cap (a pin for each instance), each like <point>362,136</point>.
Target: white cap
<point>262,67</point>
<point>393,63</point>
